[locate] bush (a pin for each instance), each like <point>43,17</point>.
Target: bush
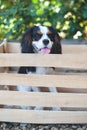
<point>68,17</point>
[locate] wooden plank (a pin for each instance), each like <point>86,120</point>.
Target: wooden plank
<point>14,47</point>
<point>43,117</point>
<point>74,49</point>
<point>45,99</point>
<point>74,41</point>
<point>76,61</point>
<point>67,81</point>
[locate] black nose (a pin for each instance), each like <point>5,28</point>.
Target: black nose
<point>45,41</point>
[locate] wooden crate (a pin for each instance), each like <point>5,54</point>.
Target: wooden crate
<point>72,86</point>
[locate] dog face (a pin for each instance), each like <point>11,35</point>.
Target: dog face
<point>42,43</point>
<point>41,39</point>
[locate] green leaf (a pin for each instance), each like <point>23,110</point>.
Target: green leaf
<point>84,14</point>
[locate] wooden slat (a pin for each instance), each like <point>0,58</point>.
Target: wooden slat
<point>45,99</point>
<point>43,117</point>
<point>67,81</point>
<point>74,49</point>
<point>74,41</point>
<point>65,60</point>
<point>13,47</point>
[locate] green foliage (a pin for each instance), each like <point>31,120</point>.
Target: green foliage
<point>68,17</point>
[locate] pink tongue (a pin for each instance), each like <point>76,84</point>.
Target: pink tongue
<point>45,51</point>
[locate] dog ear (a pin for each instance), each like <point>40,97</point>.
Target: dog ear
<point>56,48</point>
<point>26,43</point>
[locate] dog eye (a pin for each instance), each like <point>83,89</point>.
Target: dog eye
<point>39,34</point>
<point>49,35</point>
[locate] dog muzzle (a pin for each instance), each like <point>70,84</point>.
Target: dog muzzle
<point>44,50</point>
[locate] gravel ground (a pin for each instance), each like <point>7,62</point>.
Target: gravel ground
<point>17,126</point>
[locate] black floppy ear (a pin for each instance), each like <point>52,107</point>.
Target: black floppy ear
<point>26,43</point>
<point>56,48</point>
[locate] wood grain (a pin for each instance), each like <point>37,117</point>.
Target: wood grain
<point>46,99</point>
<point>43,117</point>
<point>14,47</point>
<point>76,61</point>
<point>71,81</point>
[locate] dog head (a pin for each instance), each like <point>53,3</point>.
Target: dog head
<point>41,39</point>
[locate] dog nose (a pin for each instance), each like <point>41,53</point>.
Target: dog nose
<point>45,41</point>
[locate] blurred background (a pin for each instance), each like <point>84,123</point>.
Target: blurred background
<point>69,17</point>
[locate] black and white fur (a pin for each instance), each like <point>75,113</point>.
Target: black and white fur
<point>35,40</point>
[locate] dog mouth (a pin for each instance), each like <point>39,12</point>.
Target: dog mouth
<point>44,50</point>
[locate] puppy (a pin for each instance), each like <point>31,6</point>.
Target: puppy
<point>42,40</point>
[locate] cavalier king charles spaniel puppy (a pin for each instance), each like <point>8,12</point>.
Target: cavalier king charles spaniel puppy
<point>42,40</point>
